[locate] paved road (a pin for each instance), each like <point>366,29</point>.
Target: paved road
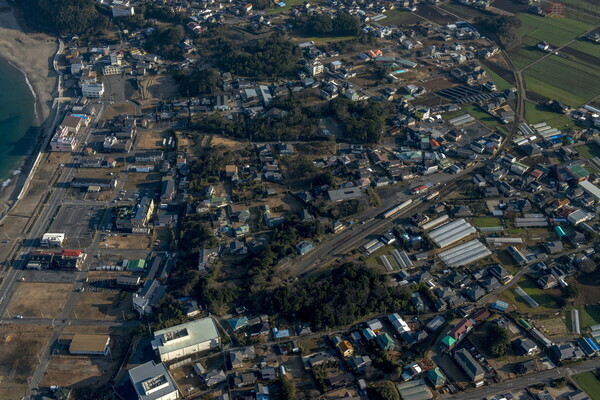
<point>525,381</point>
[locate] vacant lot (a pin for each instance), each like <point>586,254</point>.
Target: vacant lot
<point>589,384</point>
<point>151,139</point>
<point>143,181</point>
<point>103,305</point>
<point>39,300</point>
<point>20,346</point>
<point>86,373</point>
<point>134,242</point>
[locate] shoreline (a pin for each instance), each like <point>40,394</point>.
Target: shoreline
<point>41,80</point>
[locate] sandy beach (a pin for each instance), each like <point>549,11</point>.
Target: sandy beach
<point>33,54</point>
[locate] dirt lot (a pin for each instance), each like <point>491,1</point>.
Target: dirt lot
<point>19,347</point>
<point>85,373</point>
<point>151,139</point>
<point>103,305</point>
<point>143,181</point>
<point>39,299</point>
<point>232,145</point>
<point>127,242</point>
<point>119,108</point>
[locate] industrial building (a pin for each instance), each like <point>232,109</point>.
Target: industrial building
<point>465,253</point>
<point>96,345</point>
<point>451,232</point>
<point>590,189</point>
<point>469,365</point>
<point>435,222</point>
<point>186,339</point>
<point>153,382</point>
<point>402,259</point>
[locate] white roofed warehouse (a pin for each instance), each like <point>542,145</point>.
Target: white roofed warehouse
<point>451,232</point>
<point>185,339</point>
<point>464,254</point>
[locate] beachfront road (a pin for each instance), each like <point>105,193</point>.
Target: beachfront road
<point>525,381</point>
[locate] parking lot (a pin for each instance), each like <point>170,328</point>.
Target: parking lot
<point>78,223</point>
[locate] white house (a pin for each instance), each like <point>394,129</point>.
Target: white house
<point>92,90</point>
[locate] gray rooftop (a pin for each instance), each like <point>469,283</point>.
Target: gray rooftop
<point>152,381</point>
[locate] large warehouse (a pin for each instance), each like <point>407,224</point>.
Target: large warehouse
<point>464,254</point>
<point>451,233</point>
<point>185,339</point>
<point>94,345</point>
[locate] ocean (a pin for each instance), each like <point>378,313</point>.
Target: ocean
<point>17,118</point>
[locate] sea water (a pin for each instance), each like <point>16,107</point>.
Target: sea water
<point>17,120</point>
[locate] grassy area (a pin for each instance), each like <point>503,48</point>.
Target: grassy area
<point>568,80</point>
<point>324,39</point>
<point>588,151</point>
<point>546,301</point>
<point>589,315</point>
<point>501,83</point>
<point>399,17</point>
<point>485,222</point>
<point>589,384</point>
<point>482,116</point>
<point>535,113</point>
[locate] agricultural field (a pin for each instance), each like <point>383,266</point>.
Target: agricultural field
<point>482,116</point>
<point>463,11</point>
<point>556,32</point>
<point>288,5</point>
<point>589,383</point>
<point>399,17</point>
<point>484,222</point>
<point>571,80</point>
<point>501,83</point>
<point>535,113</point>
<point>589,315</point>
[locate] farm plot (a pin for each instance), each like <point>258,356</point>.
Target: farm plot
<point>571,81</point>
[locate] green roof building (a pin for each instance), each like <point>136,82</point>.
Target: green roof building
<point>385,341</point>
<point>448,342</point>
<point>436,378</point>
<point>136,265</point>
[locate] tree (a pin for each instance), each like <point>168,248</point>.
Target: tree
<point>65,16</point>
<point>385,392</point>
<point>342,24</point>
<point>504,27</point>
<point>570,292</point>
<point>288,388</point>
<point>198,82</point>
<point>497,340</point>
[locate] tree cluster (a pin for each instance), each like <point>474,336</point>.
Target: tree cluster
<point>198,83</point>
<point>364,120</point>
<point>385,392</point>
<point>497,340</point>
<point>65,16</point>
<point>504,27</point>
<point>165,41</point>
<point>342,24</point>
<point>271,57</point>
<point>348,293</point>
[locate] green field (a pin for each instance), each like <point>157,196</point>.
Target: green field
<point>485,222</point>
<point>547,302</point>
<point>399,17</point>
<point>555,31</point>
<point>535,113</point>
<point>482,116</point>
<point>588,151</point>
<point>586,46</point>
<point>501,83</point>
<point>570,81</point>
<point>589,315</point>
<point>589,384</point>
